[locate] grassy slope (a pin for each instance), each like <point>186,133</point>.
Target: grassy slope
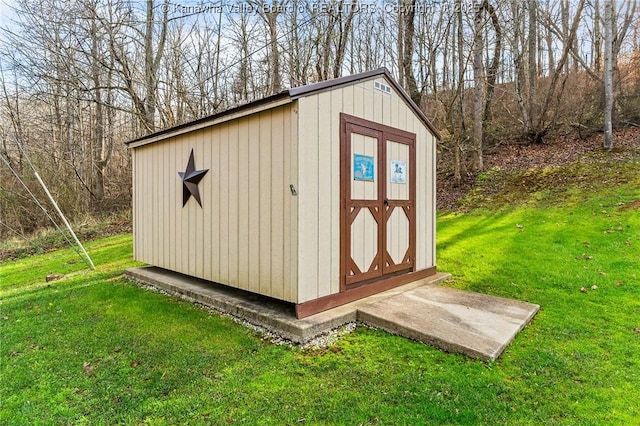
<point>94,349</point>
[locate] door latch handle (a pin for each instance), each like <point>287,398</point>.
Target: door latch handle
<point>386,201</point>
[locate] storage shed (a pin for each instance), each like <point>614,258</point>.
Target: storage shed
<point>317,196</point>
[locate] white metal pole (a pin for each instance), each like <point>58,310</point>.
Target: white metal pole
<point>64,219</point>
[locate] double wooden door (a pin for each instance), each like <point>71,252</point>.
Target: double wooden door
<point>378,192</point>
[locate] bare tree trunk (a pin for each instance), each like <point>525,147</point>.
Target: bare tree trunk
<point>532,79</point>
<point>401,49</point>
<point>343,38</point>
<point>492,72</point>
<point>217,67</point>
<point>408,17</point>
<point>98,181</point>
<point>269,14</point>
<point>597,38</point>
<point>541,127</point>
<point>445,61</point>
<point>618,36</point>
<point>478,87</point>
<point>550,49</point>
<point>145,103</point>
<point>299,49</point>
<point>150,78</point>
<point>564,11</point>
<point>152,57</point>
<point>331,42</point>
<point>608,74</point>
<point>323,46</point>
<point>520,82</point>
<point>240,85</point>
<point>458,141</point>
<point>276,79</point>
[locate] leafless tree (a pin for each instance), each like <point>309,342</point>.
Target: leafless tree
<point>406,48</point>
<point>79,78</point>
<point>139,71</point>
<point>608,74</point>
<point>478,86</point>
<point>269,13</point>
<point>332,31</point>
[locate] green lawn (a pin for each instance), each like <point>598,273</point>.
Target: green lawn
<point>94,349</point>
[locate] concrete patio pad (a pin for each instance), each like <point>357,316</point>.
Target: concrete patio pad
<point>478,325</point>
<point>475,324</point>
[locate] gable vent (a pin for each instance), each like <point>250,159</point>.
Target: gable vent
<point>381,86</point>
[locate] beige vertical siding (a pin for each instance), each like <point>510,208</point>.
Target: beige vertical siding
<point>244,239</point>
<point>134,205</point>
<point>309,208</point>
<point>292,205</point>
<point>245,233</point>
<point>319,171</point>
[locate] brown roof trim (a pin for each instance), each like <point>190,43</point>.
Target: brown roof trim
<point>299,92</point>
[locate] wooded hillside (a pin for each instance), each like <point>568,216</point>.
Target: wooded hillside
<point>80,78</point>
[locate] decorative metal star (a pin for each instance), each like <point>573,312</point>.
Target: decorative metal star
<point>190,179</point>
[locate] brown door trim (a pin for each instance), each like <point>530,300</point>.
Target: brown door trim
<point>408,206</point>
<point>382,265</point>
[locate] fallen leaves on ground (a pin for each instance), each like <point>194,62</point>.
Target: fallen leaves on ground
<point>564,151</point>
<point>88,368</point>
